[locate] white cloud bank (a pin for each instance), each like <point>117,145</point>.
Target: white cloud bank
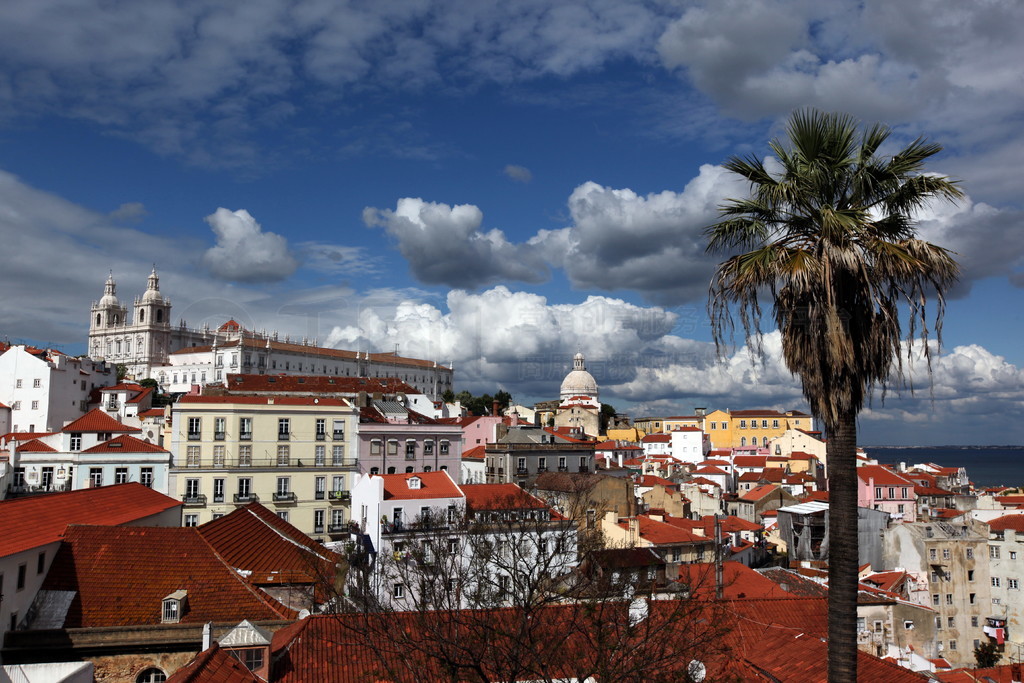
<point>244,252</point>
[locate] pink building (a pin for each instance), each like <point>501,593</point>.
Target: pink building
<point>880,488</point>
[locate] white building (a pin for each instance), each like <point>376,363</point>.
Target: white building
<point>689,444</point>
<point>178,357</point>
<point>474,540</point>
<point>46,389</point>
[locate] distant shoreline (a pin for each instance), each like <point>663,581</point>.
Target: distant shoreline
<point>1008,447</point>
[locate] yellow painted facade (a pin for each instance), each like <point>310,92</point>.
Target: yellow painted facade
<point>296,456</point>
<point>746,428</point>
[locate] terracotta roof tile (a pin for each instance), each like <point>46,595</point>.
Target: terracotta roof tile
<point>760,492</point>
<point>214,665</point>
<point>265,400</point>
<point>1015,522</point>
<point>881,476</point>
<point>97,421</point>
<point>120,576</point>
<point>125,444</point>
<point>432,485</point>
<point>37,520</point>
<point>35,446</point>
<point>499,497</point>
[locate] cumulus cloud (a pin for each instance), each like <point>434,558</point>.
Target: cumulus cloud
<point>244,252</point>
<point>520,174</point>
<point>444,245</point>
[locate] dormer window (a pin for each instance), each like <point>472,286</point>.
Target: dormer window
<point>414,482</point>
<point>173,607</point>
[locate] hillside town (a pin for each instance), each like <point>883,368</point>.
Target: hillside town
<point>225,504</point>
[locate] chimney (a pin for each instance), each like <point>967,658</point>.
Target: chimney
<point>495,410</point>
<point>207,635</point>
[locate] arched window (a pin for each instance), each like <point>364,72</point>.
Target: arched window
<point>98,320</point>
<point>765,442</point>
<point>142,315</point>
<point>159,316</point>
<point>151,675</point>
<point>743,441</point>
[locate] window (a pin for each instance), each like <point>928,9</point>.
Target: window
<point>283,515</point>
<point>970,575</point>
<point>1012,584</point>
<point>244,455</point>
<point>908,625</point>
<point>995,582</point>
<point>938,623</point>
<point>22,570</point>
<point>284,428</point>
<point>949,598</point>
<point>410,449</point>
<point>775,424</point>
<point>714,425</point>
<point>244,488</point>
<point>218,455</point>
<point>192,456</point>
<point>993,552</point>
<point>146,477</point>
<point>320,487</point>
<point>17,384</point>
<point>338,431</point>
<point>952,645</point>
<point>878,492</point>
<point>121,475</point>
<point>195,425</point>
<point>95,477</point>
<point>935,598</point>
<point>318,521</point>
<point>945,553</point>
<point>321,429</point>
<point>218,490</point>
<point>951,622</point>
<point>219,428</point>
<point>35,405</point>
<point>428,448</point>
<point>76,441</point>
<point>283,456</point>
<point>152,674</point>
<point>933,554</point>
<point>245,428</point>
<point>1013,554</point>
<point>972,598</point>
<point>970,553</point>
<point>444,448</point>
<point>37,383</point>
<point>320,456</point>
<point>743,424</point>
<point>191,488</point>
<point>974,621</point>
<point>191,520</point>
<point>899,508</point>
<point>753,424</point>
<point>375,447</point>
<point>337,454</point>
<point>398,590</point>
<point>283,484</point>
<point>878,626</point>
<point>392,447</point>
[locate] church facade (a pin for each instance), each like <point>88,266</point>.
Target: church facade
<point>148,345</point>
<point>579,406</point>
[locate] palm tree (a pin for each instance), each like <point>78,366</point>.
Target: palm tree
<point>829,237</point>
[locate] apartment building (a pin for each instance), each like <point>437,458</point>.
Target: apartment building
<point>748,428</point>
<point>296,455</point>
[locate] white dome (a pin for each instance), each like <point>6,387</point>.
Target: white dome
<point>578,382</point>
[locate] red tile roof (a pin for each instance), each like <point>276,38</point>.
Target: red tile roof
<point>881,476</point>
<point>708,469</point>
<point>738,581</point>
<point>152,412</point>
<point>475,453</point>
<point>266,400</point>
<point>125,444</point>
<point>656,438</point>
<point>499,497</point>
<point>97,421</point>
<point>663,533</point>
<point>35,446</point>
<point>254,539</point>
<point>214,665</point>
<point>432,485</point>
<point>651,480</point>
<point>38,520</point>
<point>120,576</point>
<point>122,386</point>
<point>760,492</point>
<point>1015,522</point>
<point>758,461</point>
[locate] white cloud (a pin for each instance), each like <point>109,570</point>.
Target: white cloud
<point>244,253</point>
<point>520,174</point>
<point>444,245</point>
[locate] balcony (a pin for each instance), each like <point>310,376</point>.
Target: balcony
<point>522,470</point>
<point>341,496</point>
<point>320,495</point>
<point>563,468</point>
<point>284,436</point>
<point>584,468</point>
<point>246,498</point>
<point>218,436</point>
<point>194,436</point>
<point>218,498</point>
<point>318,528</point>
<point>342,528</point>
<point>195,500</point>
<point>320,436</point>
<point>542,468</point>
<point>338,435</point>
<point>285,497</point>
<point>245,436</point>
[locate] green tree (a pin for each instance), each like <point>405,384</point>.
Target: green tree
<point>985,655</point>
<point>830,240</point>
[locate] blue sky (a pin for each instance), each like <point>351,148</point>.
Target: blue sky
<point>493,184</point>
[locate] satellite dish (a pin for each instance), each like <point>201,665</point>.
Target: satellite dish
<point>696,670</point>
<point>305,613</point>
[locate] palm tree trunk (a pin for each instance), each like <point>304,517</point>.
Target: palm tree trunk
<point>842,552</point>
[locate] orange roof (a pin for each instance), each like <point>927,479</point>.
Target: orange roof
<point>475,453</point>
<point>254,539</point>
<point>499,497</point>
<point>266,400</point>
<point>122,386</point>
<point>881,476</point>
<point>35,446</point>
<point>97,421</point>
<point>214,665</point>
<point>651,480</point>
<point>739,581</point>
<point>760,492</point>
<point>120,576</point>
<point>37,520</point>
<point>432,485</point>
<point>707,469</point>
<point>758,461</point>
<point>125,444</point>
<point>152,412</point>
<point>663,533</point>
<point>1014,522</point>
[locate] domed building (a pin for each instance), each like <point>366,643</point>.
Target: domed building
<point>579,405</point>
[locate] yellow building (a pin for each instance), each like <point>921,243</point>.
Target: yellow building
<point>663,425</point>
<point>747,428</point>
<point>296,455</point>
